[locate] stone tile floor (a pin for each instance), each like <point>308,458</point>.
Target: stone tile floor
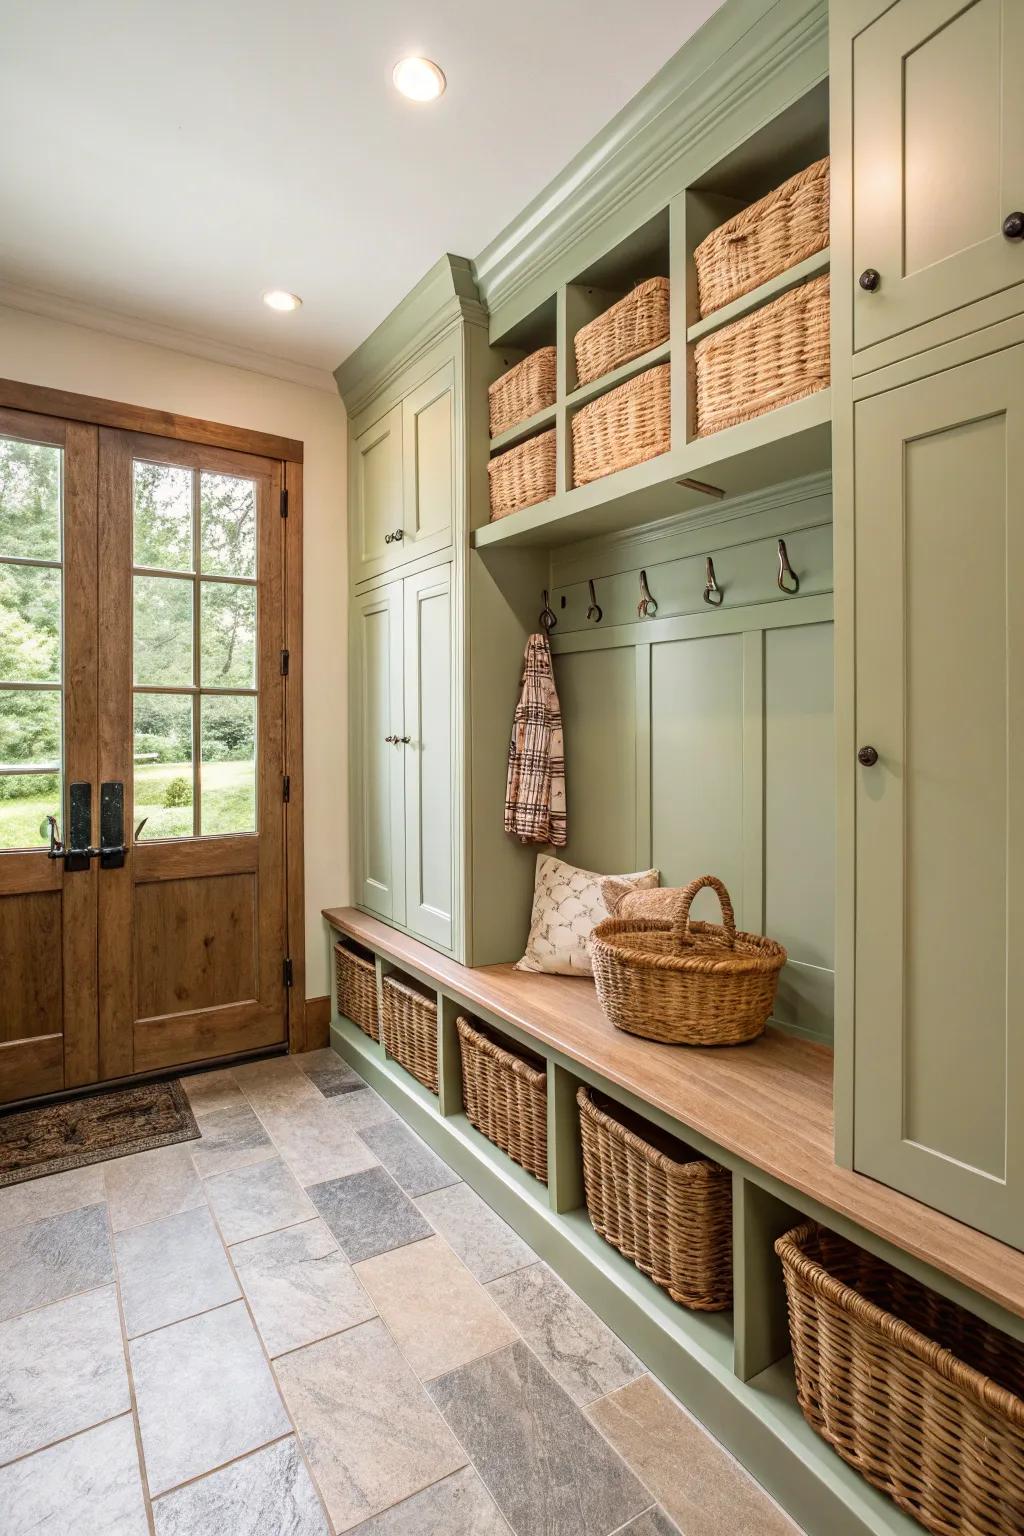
<point>304,1323</point>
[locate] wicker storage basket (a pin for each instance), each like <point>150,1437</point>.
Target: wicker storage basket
<point>672,1217</point>
<point>506,1098</point>
<point>683,982</point>
<point>522,391</point>
<point>356,980</point>
<point>922,1397</point>
<point>629,329</point>
<point>782,229</point>
<point>770,358</point>
<point>523,475</point>
<point>623,427</point>
<point>408,1027</point>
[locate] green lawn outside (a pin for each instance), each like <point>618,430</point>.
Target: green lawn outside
<point>228,805</point>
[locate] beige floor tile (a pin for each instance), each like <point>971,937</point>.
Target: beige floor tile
<point>439,1315</point>
<point>699,1484</point>
<point>315,1143</point>
<point>459,1505</point>
<point>300,1286</point>
<point>149,1185</point>
<point>275,1084</point>
<point>52,1196</point>
<point>366,1423</point>
<point>210,1091</point>
<point>232,1138</point>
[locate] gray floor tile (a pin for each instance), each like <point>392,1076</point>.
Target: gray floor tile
<point>485,1244</point>
<point>367,1426</point>
<point>407,1157</point>
<point>269,1493</point>
<point>232,1138</point>
<point>89,1484</point>
<point>545,1465</point>
<point>205,1395</point>
<point>52,1196</point>
<point>53,1258</point>
<point>171,1269</point>
<point>653,1522</point>
<point>579,1351</point>
<point>459,1505</point>
<point>330,1072</point>
<point>438,1315</point>
<point>61,1370</point>
<point>368,1213</point>
<point>358,1110</point>
<point>250,1201</point>
<point>300,1286</point>
<point>315,1142</point>
<point>209,1092</point>
<point>149,1185</point>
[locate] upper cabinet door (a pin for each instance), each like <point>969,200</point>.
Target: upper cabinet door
<point>939,1041</point>
<point>429,763</point>
<point>378,726</point>
<point>938,155</point>
<point>428,438</point>
<point>377,496</point>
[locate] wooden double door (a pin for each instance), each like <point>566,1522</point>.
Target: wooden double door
<point>143,903</point>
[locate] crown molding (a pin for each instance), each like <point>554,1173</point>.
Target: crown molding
<point>53,306</point>
<point>742,47</point>
<point>444,297</point>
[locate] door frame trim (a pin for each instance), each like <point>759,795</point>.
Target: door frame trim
<point>95,411</point>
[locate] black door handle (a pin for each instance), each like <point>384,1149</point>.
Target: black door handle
<point>112,848</point>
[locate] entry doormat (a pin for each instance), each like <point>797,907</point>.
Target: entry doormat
<point>92,1129</point>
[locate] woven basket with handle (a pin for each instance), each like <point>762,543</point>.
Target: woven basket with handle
<point>686,982</point>
<point>925,1399</point>
<point>770,236</point>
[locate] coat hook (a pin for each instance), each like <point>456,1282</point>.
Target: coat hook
<point>595,611</point>
<point>713,593</point>
<point>548,618</point>
<point>647,607</point>
<point>785,569</point>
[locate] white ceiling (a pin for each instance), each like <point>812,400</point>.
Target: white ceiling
<point>171,161</point>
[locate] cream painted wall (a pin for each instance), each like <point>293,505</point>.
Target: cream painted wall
<point>38,350</point>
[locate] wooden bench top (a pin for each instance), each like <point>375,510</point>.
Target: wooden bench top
<point>769,1102</point>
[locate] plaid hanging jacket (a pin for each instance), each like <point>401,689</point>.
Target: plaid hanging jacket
<point>535,796</point>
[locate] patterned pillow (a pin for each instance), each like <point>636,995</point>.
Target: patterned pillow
<point>567,907</point>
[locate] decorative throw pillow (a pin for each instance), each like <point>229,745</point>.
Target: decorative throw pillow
<point>567,907</point>
<point>624,899</point>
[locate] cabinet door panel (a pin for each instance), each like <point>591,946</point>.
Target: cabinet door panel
<point>429,760</point>
<point>377,493</point>
<point>940,818</point>
<point>378,826</point>
<point>428,431</point>
<point>598,691</point>
<point>938,159</point>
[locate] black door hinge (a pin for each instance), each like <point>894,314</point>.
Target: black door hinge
<point>284,663</point>
<point>286,788</point>
<point>289,979</point>
<point>284,503</point>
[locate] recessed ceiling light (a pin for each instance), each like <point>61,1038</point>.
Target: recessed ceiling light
<point>419,79</point>
<point>279,298</point>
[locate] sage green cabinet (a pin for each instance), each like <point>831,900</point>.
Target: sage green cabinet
<point>938,160</point>
<point>378,717</point>
<point>939,966</point>
<point>377,492</point>
<point>403,753</point>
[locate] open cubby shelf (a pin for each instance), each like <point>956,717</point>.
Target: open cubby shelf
<point>764,1112</point>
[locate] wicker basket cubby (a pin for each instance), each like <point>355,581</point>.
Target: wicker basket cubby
<point>627,425</point>
<point>408,1026</point>
<point>522,391</point>
<point>356,985</point>
<point>523,475</point>
<point>658,1203</point>
<point>504,1091</point>
<point>628,329</point>
<point>925,1399</point>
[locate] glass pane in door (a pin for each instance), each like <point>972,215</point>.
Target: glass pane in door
<point>31,698</point>
<point>228,770</point>
<point>164,786</point>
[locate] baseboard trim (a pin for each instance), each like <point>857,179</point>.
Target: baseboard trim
<point>318,1022</point>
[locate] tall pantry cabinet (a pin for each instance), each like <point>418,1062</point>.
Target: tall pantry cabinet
<point>928,392</point>
<point>416,394</point>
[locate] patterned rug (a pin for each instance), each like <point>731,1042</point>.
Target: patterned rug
<point>109,1123</point>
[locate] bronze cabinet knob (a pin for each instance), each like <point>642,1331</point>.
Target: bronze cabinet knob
<point>867,757</point>
<point>870,279</point>
<point>1013,226</point>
